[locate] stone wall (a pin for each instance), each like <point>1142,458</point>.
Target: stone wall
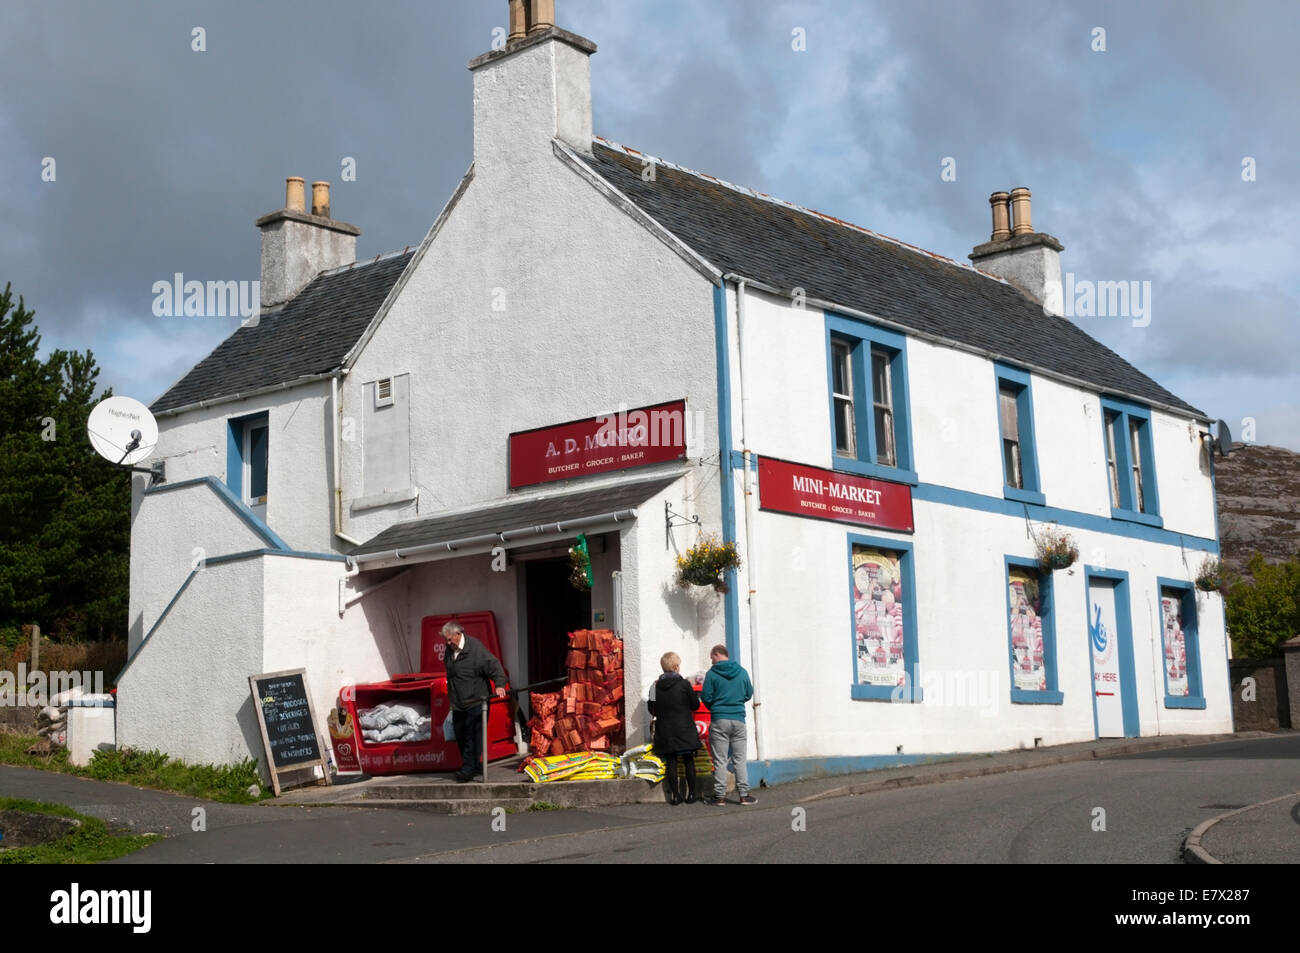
<point>1268,711</point>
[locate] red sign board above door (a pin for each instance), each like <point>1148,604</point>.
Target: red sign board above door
<point>827,495</point>
<point>614,441</point>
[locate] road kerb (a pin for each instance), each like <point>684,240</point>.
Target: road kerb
<point>1194,853</point>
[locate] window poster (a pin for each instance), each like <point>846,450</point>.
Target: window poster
<point>878,616</point>
<point>1171,604</point>
<point>1028,673</point>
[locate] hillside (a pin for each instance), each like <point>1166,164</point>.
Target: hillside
<point>1259,503</point>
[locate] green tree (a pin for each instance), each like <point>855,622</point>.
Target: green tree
<point>65,524</point>
<point>1264,611</point>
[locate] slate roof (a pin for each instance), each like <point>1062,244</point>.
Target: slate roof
<point>311,334</point>
<point>788,247</point>
<point>519,514</point>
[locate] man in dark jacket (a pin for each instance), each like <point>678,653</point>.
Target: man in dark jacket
<point>469,666</point>
<point>726,689</point>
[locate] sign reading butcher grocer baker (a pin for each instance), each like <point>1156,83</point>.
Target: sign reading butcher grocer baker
<point>618,440</point>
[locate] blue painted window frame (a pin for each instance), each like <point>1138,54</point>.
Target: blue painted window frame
<point>235,450</point>
<point>1020,382</point>
<point>861,337</point>
<point>1052,695</point>
<point>1126,413</point>
<point>1195,697</point>
<point>912,691</point>
<point>1127,670</point>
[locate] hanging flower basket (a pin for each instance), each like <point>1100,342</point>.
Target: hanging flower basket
<point>1210,576</point>
<point>1056,549</point>
<point>705,563</point>
<point>580,565</point>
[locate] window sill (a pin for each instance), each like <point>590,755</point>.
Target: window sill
<point>1132,516</point>
<point>1184,701</point>
<point>1020,696</point>
<point>376,500</point>
<point>884,693</point>
<point>873,470</point>
<point>1024,496</point>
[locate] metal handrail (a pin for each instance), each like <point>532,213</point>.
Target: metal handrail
<point>487,700</point>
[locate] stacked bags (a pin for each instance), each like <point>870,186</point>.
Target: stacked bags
<point>390,721</point>
<point>587,714</point>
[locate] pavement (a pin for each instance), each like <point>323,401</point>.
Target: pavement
<point>1263,832</point>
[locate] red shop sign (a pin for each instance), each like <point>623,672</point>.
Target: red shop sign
<point>615,441</point>
<point>824,494</point>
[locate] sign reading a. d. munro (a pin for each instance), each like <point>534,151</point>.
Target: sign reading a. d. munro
<point>615,441</point>
<point>824,494</point>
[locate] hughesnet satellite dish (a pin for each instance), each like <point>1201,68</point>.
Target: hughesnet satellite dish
<point>1223,437</point>
<point>122,430</point>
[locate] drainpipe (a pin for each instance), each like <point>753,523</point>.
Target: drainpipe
<point>338,463</point>
<point>751,569</point>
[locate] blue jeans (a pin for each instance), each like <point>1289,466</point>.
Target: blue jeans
<point>727,745</point>
<point>468,726</point>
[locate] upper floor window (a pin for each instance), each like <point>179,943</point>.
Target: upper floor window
<point>1016,435</point>
<point>1130,462</point>
<point>248,459</point>
<point>869,400</point>
<point>842,397</point>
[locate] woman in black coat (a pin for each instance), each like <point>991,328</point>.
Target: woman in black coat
<point>673,702</point>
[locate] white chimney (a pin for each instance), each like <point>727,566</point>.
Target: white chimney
<point>535,89</point>
<point>1027,259</point>
<point>297,245</point>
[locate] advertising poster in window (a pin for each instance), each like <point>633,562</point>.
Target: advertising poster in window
<point>1027,669</point>
<point>878,616</point>
<point>1171,604</point>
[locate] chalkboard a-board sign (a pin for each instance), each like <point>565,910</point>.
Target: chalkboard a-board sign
<point>288,723</point>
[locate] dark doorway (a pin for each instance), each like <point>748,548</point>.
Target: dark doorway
<point>555,609</point>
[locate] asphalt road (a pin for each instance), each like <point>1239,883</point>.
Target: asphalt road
<point>1146,804</point>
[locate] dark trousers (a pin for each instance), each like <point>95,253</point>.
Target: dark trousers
<point>670,774</point>
<point>468,726</point>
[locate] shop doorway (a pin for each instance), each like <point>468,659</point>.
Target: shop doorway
<point>554,609</point>
<point>1110,639</point>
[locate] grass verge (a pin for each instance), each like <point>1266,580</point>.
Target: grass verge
<point>146,769</point>
<point>89,844</point>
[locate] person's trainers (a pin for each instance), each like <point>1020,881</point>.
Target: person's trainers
<point>749,799</point>
<point>716,802</point>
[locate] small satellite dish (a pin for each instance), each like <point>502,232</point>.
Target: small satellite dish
<point>1223,438</point>
<point>122,430</point>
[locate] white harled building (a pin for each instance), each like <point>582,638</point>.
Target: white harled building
<point>885,434</point>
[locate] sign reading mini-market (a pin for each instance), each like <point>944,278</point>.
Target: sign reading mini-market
<point>824,494</point>
<point>614,441</point>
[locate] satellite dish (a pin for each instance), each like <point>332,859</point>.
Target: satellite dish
<point>1223,438</point>
<point>122,430</point>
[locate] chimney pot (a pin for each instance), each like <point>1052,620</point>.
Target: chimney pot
<point>1022,224</point>
<point>1001,226</point>
<point>294,197</point>
<point>543,15</point>
<point>320,199</point>
<point>518,21</point>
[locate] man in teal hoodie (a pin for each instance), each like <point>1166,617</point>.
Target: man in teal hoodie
<point>726,689</point>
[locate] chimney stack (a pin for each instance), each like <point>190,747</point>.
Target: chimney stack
<point>535,90</point>
<point>297,246</point>
<point>1027,259</point>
